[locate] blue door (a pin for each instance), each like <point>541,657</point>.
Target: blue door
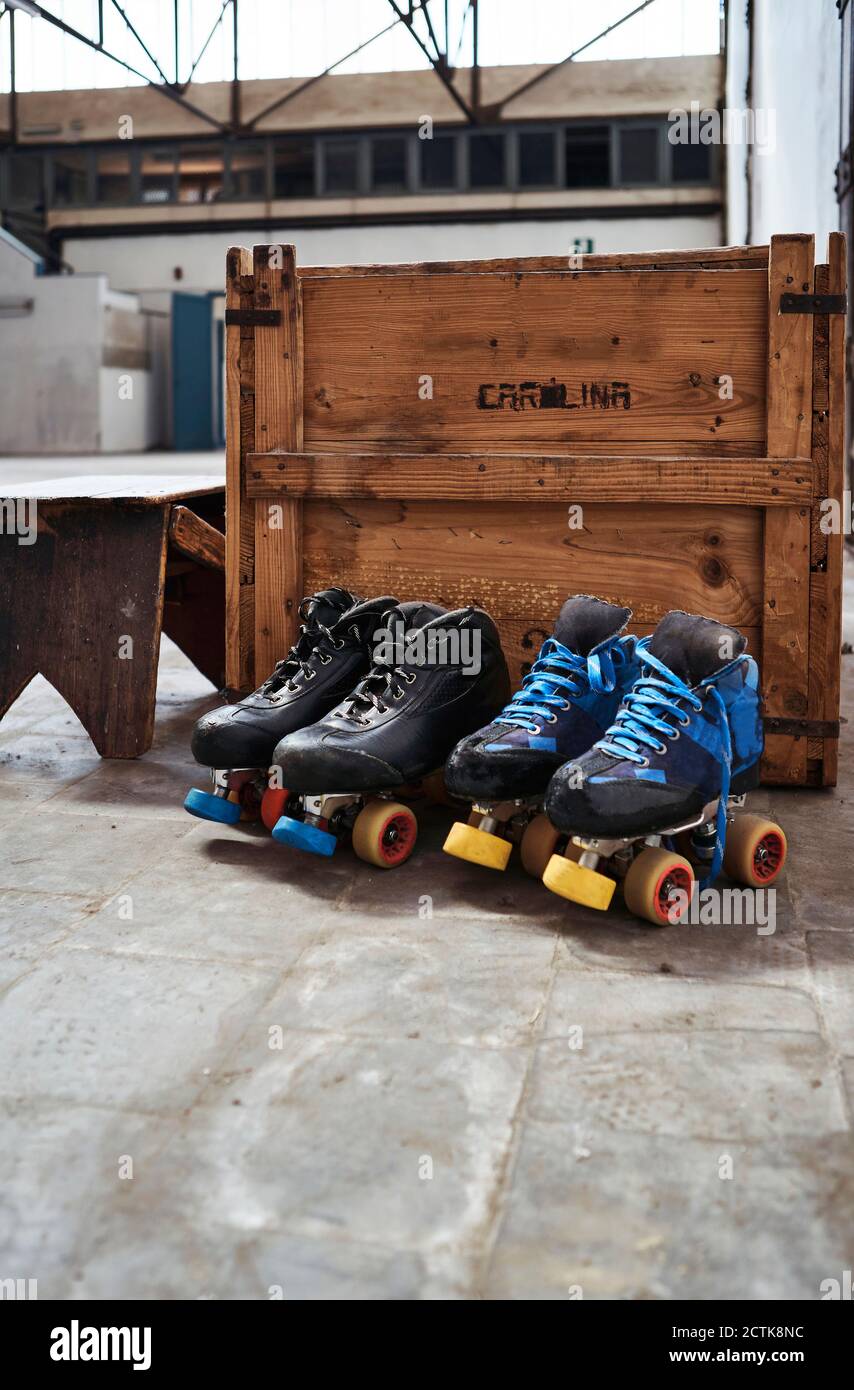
<point>192,372</point>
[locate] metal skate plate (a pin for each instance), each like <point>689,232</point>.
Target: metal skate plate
<point>606,848</point>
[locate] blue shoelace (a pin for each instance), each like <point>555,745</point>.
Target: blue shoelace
<point>641,717</point>
<point>556,677</point>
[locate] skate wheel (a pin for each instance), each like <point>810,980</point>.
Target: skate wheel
<point>433,787</point>
<point>539,842</point>
<point>755,851</point>
<point>209,807</point>
<point>653,880</point>
<point>581,885</point>
<point>273,804</point>
<point>384,834</point>
<point>302,834</point>
<point>478,846</point>
<point>246,797</point>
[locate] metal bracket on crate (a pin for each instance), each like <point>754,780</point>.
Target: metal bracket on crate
<point>253,318</point>
<point>813,303</point>
<point>807,728</point>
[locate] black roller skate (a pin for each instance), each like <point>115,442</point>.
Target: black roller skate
<point>565,703</point>
<point>682,752</point>
<point>436,676</point>
<point>236,741</point>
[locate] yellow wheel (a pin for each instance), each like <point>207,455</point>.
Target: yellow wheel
<point>477,846</point>
<point>651,886</point>
<point>384,833</point>
<point>755,851</point>
<point>539,842</point>
<point>572,880</point>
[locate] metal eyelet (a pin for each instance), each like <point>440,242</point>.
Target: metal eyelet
<point>309,675</point>
<point>676,733</point>
<point>644,762</point>
<point>551,719</point>
<point>685,722</point>
<point>410,679</point>
<point>325,660</point>
<point>537,729</point>
<point>661,750</point>
<point>565,704</point>
<point>398,694</point>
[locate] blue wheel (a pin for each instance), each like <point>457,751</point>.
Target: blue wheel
<point>302,835</point>
<point>209,807</point>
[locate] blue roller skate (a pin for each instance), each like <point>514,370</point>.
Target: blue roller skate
<point>565,703</point>
<point>683,751</point>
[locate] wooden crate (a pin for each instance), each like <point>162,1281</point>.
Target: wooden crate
<point>656,429</point>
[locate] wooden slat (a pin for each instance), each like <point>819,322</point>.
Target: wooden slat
<point>518,477</point>
<point>790,269</point>
<point>729,257</point>
<point>196,538</point>
<point>521,562</point>
<point>278,425</point>
<point>837,284</point>
<point>240,518</point>
<point>640,357</point>
<point>785,643</point>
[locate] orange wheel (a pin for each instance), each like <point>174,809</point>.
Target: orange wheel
<point>652,884</point>
<point>755,851</point>
<point>539,843</point>
<point>273,804</point>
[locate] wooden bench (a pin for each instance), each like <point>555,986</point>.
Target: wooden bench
<point>92,570</point>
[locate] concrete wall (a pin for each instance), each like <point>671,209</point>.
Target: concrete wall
<point>795,75</point>
<point>148,262</point>
<point>58,396</point>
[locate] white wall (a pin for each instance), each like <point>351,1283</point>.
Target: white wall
<point>147,262</point>
<point>56,396</point>
<point>796,68</point>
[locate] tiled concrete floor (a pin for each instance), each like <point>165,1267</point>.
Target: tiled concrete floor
<point>348,1084</point>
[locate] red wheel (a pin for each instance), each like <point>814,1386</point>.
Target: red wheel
<point>273,804</point>
<point>384,834</point>
<point>755,851</point>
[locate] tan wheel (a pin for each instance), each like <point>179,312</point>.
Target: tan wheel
<point>247,796</point>
<point>384,833</point>
<point>653,883</point>
<point>539,842</point>
<point>755,851</point>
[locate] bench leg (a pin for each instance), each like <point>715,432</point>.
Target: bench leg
<point>83,605</point>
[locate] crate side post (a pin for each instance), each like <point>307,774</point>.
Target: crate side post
<point>278,425</point>
<point>239,511</point>
<point>786,562</point>
<point>837,284</point>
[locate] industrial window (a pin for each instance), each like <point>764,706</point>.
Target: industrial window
<point>691,163</point>
<point>200,174</point>
<point>25,175</point>
<point>71,178</point>
<point>112,177</point>
<point>639,154</point>
<point>588,156</point>
<point>157,176</point>
<point>486,161</point>
<point>293,167</point>
<point>536,158</point>
<point>388,163</point>
<point>248,171</point>
<point>438,161</point>
<point>341,160</point>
